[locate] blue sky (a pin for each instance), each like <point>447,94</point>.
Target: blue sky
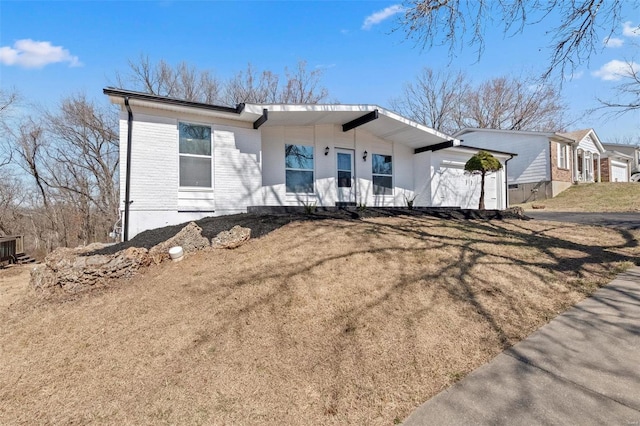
<point>52,49</point>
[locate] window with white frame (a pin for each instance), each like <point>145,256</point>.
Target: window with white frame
<point>195,155</point>
<point>563,156</point>
<point>382,171</point>
<point>299,171</point>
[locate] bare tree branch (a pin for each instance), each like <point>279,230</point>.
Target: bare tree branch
<point>456,23</point>
<point>627,92</point>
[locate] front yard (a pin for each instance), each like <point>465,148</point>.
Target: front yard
<point>318,322</point>
<point>594,197</point>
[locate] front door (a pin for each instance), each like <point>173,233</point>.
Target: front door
<point>345,176</point>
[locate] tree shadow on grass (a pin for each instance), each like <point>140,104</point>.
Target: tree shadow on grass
<point>511,248</point>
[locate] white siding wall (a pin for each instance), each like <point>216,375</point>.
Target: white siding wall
<point>423,170</point>
<point>532,164</point>
<point>274,140</point>
<point>156,197</point>
<point>452,187</point>
<point>587,144</point>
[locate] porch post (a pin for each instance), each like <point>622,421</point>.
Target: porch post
<point>599,175</point>
<point>575,164</point>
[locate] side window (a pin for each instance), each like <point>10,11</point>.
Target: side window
<point>195,155</point>
<point>298,161</point>
<point>562,156</point>
<point>382,170</point>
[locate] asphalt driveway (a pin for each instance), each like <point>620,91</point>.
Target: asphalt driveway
<point>614,220</point>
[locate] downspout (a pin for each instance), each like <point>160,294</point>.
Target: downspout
<point>127,185</point>
<point>506,180</point>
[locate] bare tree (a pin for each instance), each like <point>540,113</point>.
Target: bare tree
<point>447,102</point>
<point>251,86</point>
<point>513,104</point>
<point>182,81</point>
<point>71,159</point>
<point>8,101</point>
<point>434,99</point>
<point>303,86</point>
<point>627,90</point>
<point>464,22</point>
<point>83,163</point>
<point>30,148</point>
<point>12,199</point>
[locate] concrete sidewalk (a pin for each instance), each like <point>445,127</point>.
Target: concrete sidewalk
<point>583,368</point>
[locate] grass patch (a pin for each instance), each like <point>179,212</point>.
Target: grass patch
<point>594,197</point>
<point>325,322</point>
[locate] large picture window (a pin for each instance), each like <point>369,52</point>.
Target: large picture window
<point>195,155</point>
<point>299,168</point>
<point>382,174</point>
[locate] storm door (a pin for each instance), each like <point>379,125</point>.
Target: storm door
<point>345,176</point>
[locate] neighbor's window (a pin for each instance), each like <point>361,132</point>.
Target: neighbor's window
<point>563,158</point>
<point>195,155</point>
<point>298,161</point>
<point>382,174</point>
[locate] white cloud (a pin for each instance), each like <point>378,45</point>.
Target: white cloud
<point>613,42</point>
<point>28,53</point>
<point>381,15</point>
<point>614,70</point>
<point>577,75</point>
<point>630,30</point>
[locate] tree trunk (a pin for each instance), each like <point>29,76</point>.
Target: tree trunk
<point>482,190</point>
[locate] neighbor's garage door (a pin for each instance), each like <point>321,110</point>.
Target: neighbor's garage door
<point>455,188</point>
<point>618,172</point>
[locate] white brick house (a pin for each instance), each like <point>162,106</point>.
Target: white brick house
<point>182,161</point>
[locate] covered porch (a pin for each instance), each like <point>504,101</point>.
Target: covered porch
<point>587,152</point>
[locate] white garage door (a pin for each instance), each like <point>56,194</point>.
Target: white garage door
<point>618,172</point>
<point>455,188</point>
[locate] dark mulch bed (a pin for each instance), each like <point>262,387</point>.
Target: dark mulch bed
<point>263,223</point>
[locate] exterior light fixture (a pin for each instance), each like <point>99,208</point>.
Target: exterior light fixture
<point>326,151</point>
<point>364,155</point>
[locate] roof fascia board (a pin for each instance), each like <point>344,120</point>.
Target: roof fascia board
<point>617,154</point>
<point>556,137</point>
<point>515,132</point>
<point>492,151</point>
<point>177,109</point>
<point>120,93</point>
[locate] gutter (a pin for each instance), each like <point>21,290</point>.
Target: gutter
<point>127,186</point>
<point>506,179</point>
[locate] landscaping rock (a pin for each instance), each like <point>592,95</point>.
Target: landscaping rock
<point>189,238</point>
<point>80,268</point>
<point>231,239</point>
<point>70,270</point>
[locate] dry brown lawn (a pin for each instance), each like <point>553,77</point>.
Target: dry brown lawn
<point>325,322</point>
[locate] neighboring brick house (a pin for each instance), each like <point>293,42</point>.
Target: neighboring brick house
<point>625,153</point>
<point>587,153</point>
<point>547,163</point>
<point>615,166</point>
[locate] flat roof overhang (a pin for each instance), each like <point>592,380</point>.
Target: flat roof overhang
<point>378,121</point>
